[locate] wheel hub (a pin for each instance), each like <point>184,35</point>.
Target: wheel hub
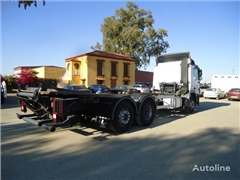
<point>147,112</point>
<point>191,104</point>
<point>124,117</point>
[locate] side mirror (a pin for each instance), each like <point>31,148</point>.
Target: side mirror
<point>200,74</point>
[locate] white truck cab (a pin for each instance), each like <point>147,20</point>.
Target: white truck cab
<point>176,80</point>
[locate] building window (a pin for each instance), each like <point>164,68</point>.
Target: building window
<point>113,83</point>
<point>100,82</point>
<point>83,81</point>
<point>125,82</point>
<point>113,68</point>
<point>76,69</point>
<point>125,70</point>
<point>100,67</point>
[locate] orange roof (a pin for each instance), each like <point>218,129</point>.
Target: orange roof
<point>103,54</point>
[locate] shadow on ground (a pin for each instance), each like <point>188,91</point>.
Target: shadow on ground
<point>10,102</point>
<point>141,157</point>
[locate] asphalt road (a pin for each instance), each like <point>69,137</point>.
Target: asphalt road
<point>176,146</point>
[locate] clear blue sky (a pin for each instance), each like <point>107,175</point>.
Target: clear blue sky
<point>49,34</point>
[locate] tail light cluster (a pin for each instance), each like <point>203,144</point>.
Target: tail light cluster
<point>57,109</point>
<point>23,107</point>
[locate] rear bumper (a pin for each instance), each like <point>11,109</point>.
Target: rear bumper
<point>233,97</point>
<point>47,124</point>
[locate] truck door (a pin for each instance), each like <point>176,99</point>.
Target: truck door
<point>194,79</point>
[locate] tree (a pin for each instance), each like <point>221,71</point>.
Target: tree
<point>98,46</point>
<point>11,82</point>
<point>29,3</point>
<point>27,78</point>
<point>130,32</point>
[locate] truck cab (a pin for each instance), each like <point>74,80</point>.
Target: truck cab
<point>176,79</point>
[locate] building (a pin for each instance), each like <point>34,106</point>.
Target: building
<point>48,72</point>
<point>19,69</point>
<point>99,67</point>
<point>144,77</point>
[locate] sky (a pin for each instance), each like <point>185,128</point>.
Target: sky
<point>47,35</point>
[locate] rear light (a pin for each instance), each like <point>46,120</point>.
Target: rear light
<point>57,109</point>
<point>23,107</point>
<point>54,114</point>
<point>54,118</point>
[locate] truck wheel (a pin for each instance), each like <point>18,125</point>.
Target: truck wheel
<point>191,106</point>
<point>146,116</point>
<point>123,117</point>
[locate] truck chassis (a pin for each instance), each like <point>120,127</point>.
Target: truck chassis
<point>56,107</point>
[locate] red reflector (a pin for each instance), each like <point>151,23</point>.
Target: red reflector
<point>54,118</point>
<point>60,108</point>
<point>23,107</point>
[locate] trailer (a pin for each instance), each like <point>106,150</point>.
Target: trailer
<point>57,107</point>
<point>225,82</point>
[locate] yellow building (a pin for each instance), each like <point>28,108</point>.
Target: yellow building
<point>48,72</point>
<point>51,72</point>
<point>99,67</point>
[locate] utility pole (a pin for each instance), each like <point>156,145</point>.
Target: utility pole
<point>233,71</point>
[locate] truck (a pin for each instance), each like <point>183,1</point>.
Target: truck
<point>56,107</point>
<point>225,82</point>
<point>177,78</point>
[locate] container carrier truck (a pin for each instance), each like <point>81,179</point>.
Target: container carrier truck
<point>176,80</point>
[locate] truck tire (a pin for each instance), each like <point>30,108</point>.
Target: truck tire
<point>123,117</point>
<point>147,111</point>
<point>191,106</point>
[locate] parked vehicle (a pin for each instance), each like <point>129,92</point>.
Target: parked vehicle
<point>77,87</point>
<point>216,93</point>
<point>124,89</point>
<point>233,93</point>
<point>56,107</point>
<point>3,90</point>
<point>99,88</point>
<point>142,88</point>
<point>176,80</point>
<point>203,88</point>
